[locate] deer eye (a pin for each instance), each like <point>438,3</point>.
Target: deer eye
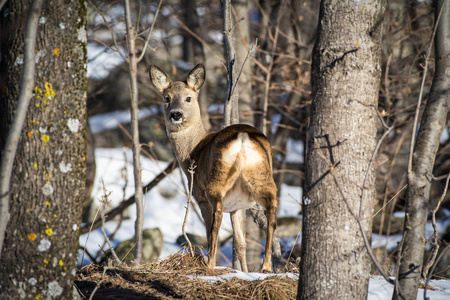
<point>167,99</point>
<point>188,99</point>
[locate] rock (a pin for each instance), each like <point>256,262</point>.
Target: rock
<point>196,240</point>
<point>151,249</point>
<point>288,226</point>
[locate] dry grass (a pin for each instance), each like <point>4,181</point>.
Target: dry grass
<point>174,278</point>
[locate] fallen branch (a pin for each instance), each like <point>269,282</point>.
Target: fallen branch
<point>125,204</point>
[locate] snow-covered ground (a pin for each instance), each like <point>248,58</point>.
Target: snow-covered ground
<point>165,208</point>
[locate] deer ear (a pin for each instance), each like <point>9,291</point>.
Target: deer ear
<point>196,77</point>
<point>159,78</point>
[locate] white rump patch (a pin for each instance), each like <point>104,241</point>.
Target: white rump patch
<point>242,145</point>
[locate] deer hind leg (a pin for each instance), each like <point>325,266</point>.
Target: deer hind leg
<point>212,231</point>
<point>267,198</point>
<point>239,245</point>
<point>271,214</point>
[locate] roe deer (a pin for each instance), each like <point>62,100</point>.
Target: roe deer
<point>234,165</point>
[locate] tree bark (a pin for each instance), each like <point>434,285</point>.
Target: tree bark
<point>9,149</point>
<point>231,110</point>
<point>193,52</point>
<point>48,179</point>
<point>345,80</point>
<point>421,174</point>
<point>252,233</point>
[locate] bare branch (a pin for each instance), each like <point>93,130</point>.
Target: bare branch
<point>113,37</point>
<point>102,216</point>
<point>119,209</point>
<point>434,238</point>
<point>150,32</point>
<point>252,48</point>
<point>432,270</point>
<point>363,233</point>
<point>202,41</point>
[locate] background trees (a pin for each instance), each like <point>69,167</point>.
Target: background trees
<point>47,184</point>
<point>279,73</point>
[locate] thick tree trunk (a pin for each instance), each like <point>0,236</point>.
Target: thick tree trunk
<point>47,184</point>
<point>341,140</point>
<point>420,176</point>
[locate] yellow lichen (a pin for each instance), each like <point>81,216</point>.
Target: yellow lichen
<point>61,263</point>
<point>49,231</point>
<point>38,92</point>
<point>35,166</point>
<point>47,203</point>
<point>56,51</point>
<point>49,93</point>
<point>38,297</point>
<point>45,138</point>
<point>29,133</point>
<point>45,261</point>
<point>32,236</point>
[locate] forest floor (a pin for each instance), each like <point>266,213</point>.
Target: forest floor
<point>177,277</point>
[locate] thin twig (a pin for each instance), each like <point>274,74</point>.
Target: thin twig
<point>363,233</point>
<point>434,237</point>
<point>441,255</point>
<point>202,41</point>
<point>150,32</point>
<point>117,210</point>
<point>234,26</point>
<point>374,153</point>
<point>397,287</point>
<point>102,216</point>
<point>252,48</point>
<point>393,197</point>
<point>191,171</point>
<point>97,286</point>
<point>111,31</point>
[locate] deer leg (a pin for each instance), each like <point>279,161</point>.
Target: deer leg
<point>271,214</point>
<point>239,244</point>
<point>207,215</point>
<point>213,236</point>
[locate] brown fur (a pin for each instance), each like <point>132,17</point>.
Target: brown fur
<point>234,165</point>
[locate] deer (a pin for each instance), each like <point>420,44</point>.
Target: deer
<point>233,166</point>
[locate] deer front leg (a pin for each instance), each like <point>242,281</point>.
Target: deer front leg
<point>213,233</point>
<point>271,213</point>
<point>239,244</point>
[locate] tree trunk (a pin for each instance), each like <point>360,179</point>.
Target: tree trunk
<point>47,184</point>
<point>341,140</point>
<point>193,52</point>
<point>420,176</point>
<point>246,117</point>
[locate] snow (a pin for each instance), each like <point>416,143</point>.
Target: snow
<point>379,289</point>
<point>244,276</point>
<point>111,120</point>
<point>165,208</point>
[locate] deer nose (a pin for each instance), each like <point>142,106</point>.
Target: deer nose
<point>176,115</point>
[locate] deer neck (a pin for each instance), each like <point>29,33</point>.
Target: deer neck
<point>184,142</point>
